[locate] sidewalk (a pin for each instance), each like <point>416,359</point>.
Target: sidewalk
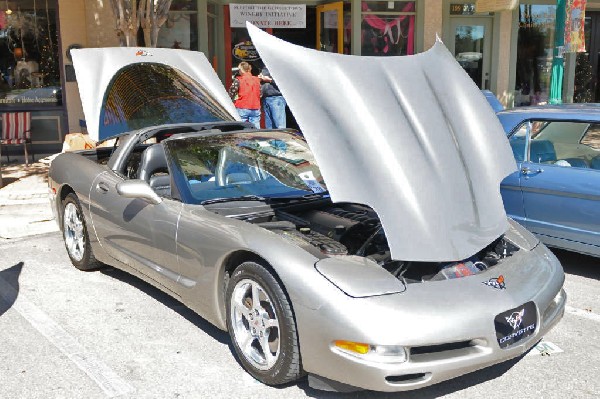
<point>24,206</point>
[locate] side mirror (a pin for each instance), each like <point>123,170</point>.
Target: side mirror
<point>138,189</point>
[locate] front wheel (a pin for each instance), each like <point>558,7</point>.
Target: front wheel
<point>76,236</point>
<point>261,325</point>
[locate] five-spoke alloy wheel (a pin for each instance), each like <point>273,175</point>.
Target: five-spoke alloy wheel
<point>261,324</point>
<point>76,235</point>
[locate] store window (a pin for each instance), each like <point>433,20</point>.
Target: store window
<point>388,28</point>
<point>181,27</point>
<point>534,54</point>
<point>29,62</point>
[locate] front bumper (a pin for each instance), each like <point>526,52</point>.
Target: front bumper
<point>430,365</point>
<point>448,329</point>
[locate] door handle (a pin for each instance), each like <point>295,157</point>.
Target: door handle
<point>102,187</point>
<point>528,172</point>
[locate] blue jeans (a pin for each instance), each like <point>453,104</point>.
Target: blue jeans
<point>250,115</point>
<point>274,107</point>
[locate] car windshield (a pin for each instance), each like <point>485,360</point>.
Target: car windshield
<point>244,166</point>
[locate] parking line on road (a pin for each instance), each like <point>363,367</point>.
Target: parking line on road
<point>104,376</point>
<point>583,313</point>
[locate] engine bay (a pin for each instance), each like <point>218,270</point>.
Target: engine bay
<point>332,229</point>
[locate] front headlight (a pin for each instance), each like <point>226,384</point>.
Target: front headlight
<point>560,297</point>
<point>374,353</point>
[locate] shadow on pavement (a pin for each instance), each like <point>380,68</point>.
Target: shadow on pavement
<point>8,295</point>
<point>578,264</point>
<point>434,391</point>
<point>169,302</point>
<point>15,172</point>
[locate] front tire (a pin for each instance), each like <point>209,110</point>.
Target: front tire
<point>261,325</point>
<point>75,234</point>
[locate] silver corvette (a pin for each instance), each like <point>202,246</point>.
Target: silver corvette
<point>371,252</point>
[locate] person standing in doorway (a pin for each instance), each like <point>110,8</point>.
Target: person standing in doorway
<point>245,91</point>
<point>272,101</point>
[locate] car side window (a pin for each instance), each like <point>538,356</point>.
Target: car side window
<point>592,137</point>
<point>591,140</point>
<point>560,143</point>
<point>518,140</point>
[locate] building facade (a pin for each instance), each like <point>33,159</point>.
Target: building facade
<point>507,52</point>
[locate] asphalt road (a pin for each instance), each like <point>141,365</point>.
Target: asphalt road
<point>71,334</point>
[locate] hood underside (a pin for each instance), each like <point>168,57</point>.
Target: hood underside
<point>128,88</point>
<point>423,149</point>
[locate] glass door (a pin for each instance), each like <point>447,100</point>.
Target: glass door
<point>471,46</point>
<point>330,27</point>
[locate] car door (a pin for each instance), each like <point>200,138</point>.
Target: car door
<point>510,187</point>
<point>135,232</point>
<point>561,189</point>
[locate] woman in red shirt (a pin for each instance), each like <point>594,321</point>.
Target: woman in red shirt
<point>245,90</point>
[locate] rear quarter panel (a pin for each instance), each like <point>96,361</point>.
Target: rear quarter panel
<point>73,172</point>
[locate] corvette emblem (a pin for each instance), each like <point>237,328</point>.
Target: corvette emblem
<point>515,319</point>
<point>497,283</point>
<point>142,53</point>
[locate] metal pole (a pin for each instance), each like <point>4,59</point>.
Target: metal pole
<point>556,81</point>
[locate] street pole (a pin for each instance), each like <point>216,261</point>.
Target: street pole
<point>556,79</point>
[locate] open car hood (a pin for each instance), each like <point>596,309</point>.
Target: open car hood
<point>421,147</point>
<point>128,88</point>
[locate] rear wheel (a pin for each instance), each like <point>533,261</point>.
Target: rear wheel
<point>261,325</point>
<point>76,235</point>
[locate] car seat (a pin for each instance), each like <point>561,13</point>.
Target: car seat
<point>238,178</point>
<point>153,169</point>
<point>154,160</point>
<point>595,164</point>
<point>542,151</point>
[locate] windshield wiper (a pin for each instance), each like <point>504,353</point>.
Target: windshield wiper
<point>322,194</point>
<point>232,199</point>
<point>305,197</point>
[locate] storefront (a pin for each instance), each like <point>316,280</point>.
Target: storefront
<point>30,69</point>
<point>384,28</point>
<point>535,36</point>
<point>507,51</point>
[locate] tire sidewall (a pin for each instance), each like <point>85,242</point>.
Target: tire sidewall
<point>278,373</point>
<point>85,262</point>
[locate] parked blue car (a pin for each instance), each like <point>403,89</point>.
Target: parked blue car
<point>556,191</point>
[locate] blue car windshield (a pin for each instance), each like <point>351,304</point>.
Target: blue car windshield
<point>244,165</point>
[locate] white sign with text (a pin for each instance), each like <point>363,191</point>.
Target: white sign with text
<point>268,15</point>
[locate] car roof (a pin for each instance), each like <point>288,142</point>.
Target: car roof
<point>575,112</point>
<point>558,110</point>
<point>493,101</point>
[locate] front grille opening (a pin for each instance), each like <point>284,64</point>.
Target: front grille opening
<point>424,350</point>
<point>405,378</point>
